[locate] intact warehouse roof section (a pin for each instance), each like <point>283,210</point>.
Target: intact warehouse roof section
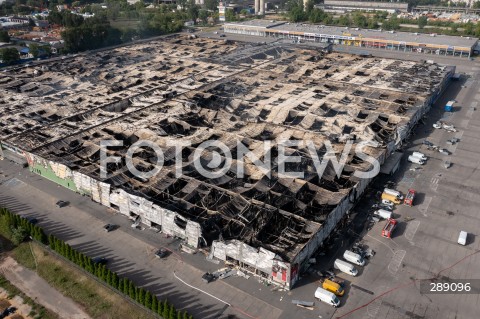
<point>365,33</point>
<point>194,90</point>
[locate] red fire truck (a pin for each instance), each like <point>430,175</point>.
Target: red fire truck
<point>389,227</point>
<point>410,197</point>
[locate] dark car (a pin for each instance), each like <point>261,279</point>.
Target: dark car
<point>208,277</point>
<point>8,312</point>
<point>32,220</point>
<point>61,203</point>
<point>161,253</point>
<point>222,35</point>
<point>427,143</point>
<point>109,227</point>
<point>100,260</point>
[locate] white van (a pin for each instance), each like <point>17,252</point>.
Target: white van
<point>345,267</point>
<point>383,213</point>
<point>327,297</point>
<point>462,238</point>
<point>353,258</point>
<point>420,156</point>
<point>415,160</point>
<point>394,193</point>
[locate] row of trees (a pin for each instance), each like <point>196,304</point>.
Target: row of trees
<point>298,13</point>
<point>9,56</point>
<point>85,34</point>
<point>20,228</point>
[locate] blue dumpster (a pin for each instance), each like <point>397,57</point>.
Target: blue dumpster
<point>449,106</point>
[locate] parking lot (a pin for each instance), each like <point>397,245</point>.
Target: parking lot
<point>423,245</point>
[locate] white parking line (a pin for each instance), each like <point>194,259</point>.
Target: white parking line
<point>423,207</point>
<point>13,183</point>
<point>373,308</point>
<point>411,230</point>
<point>396,261</point>
<point>434,183</point>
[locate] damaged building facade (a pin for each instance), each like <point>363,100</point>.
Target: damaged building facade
<point>183,90</point>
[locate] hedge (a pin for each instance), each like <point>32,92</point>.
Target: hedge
<point>122,284</point>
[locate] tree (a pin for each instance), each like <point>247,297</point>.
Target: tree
<point>33,48</point>
<point>296,13</point>
<point>359,20</point>
<point>171,312</point>
<point>211,4</point>
<point>372,24</point>
<point>141,296</point>
<point>203,15</point>
<point>328,20</point>
<point>147,302</point>
<point>469,27</point>
<point>165,309</point>
<point>477,29</point>
<point>344,20</point>
<point>192,10</point>
<point>316,16</point>
<point>113,10</point>
<point>116,281</point>
<point>154,302</point>
<point>230,15</point>
<point>131,289</point>
<point>109,277</point>
<point>4,37</point>
<point>454,28</point>
<point>422,22</point>
<point>18,234</point>
<point>160,307</point>
<point>309,7</point>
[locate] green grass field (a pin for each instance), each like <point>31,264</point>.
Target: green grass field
<point>124,23</point>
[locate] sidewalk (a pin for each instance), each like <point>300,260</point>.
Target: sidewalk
<point>40,291</point>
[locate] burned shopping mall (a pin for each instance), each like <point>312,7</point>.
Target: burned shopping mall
<point>183,89</point>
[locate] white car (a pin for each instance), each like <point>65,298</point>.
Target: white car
<point>437,125</point>
<point>443,151</point>
<point>387,202</point>
<point>448,127</point>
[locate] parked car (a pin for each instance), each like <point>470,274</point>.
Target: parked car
<point>8,312</point>
<point>32,220</point>
<point>428,143</point>
<point>109,227</point>
<point>61,203</point>
<point>208,277</point>
<point>387,203</point>
<point>100,260</point>
<point>443,151</point>
<point>161,253</point>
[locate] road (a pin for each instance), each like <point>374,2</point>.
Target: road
<point>39,290</point>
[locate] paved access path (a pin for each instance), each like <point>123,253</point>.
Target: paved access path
<point>39,290</point>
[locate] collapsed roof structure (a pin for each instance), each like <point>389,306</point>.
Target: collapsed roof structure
<point>186,91</point>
